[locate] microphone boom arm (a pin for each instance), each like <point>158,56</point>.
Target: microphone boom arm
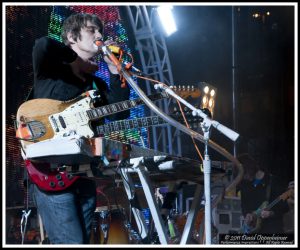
<point>170,120</point>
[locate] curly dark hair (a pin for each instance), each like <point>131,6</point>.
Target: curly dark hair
<point>75,22</point>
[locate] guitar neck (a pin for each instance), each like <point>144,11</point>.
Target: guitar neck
<point>268,207</point>
<point>273,203</point>
<point>110,109</point>
<point>129,124</point>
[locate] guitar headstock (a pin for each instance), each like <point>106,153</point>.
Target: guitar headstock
<point>193,121</point>
<point>186,91</point>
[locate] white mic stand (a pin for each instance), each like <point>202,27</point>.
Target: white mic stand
<point>207,171</point>
<point>206,124</point>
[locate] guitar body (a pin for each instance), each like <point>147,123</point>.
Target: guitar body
<point>42,119</point>
<point>49,179</point>
<point>257,216</point>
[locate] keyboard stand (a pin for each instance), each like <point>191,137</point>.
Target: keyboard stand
<point>137,166</point>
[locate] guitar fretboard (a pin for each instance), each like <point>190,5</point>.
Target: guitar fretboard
<point>129,124</point>
<point>110,109</point>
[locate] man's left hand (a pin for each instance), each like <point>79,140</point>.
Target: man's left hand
<point>266,214</point>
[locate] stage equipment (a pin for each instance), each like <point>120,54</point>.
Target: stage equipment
<point>208,96</point>
<point>207,122</point>
<point>167,19</point>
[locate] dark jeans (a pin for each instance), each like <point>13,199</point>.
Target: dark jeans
<point>67,216</point>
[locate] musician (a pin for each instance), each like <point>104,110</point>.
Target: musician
<point>259,186</point>
<point>63,71</point>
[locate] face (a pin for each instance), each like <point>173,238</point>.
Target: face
<point>85,46</point>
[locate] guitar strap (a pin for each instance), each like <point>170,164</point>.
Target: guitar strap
<point>30,95</point>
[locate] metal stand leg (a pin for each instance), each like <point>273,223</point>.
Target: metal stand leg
<point>189,225</point>
<point>142,172</point>
<point>138,215</point>
<point>41,227</point>
<point>147,187</point>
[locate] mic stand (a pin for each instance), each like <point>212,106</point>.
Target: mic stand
<point>205,125</point>
<point>207,172</point>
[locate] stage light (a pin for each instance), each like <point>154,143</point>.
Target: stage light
<point>211,103</point>
<point>206,89</point>
<point>208,96</point>
<point>204,100</point>
<point>256,15</point>
<point>167,19</point>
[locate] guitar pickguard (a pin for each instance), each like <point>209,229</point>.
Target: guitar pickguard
<point>73,119</point>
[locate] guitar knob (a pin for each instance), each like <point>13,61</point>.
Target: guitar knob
<point>70,176</point>
<point>52,184</point>
<point>58,177</point>
<point>61,183</point>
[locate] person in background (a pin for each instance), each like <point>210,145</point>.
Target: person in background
<point>257,189</point>
<point>63,71</point>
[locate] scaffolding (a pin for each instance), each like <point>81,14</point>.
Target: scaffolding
<point>153,53</point>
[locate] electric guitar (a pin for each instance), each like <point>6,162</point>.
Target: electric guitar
<point>42,119</point>
<point>256,223</point>
<point>57,179</point>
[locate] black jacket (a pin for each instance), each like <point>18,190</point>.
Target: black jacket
<point>54,79</point>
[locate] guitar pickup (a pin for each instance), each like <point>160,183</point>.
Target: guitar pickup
<point>54,123</point>
<point>62,122</point>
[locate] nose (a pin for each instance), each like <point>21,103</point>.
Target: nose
<point>98,35</point>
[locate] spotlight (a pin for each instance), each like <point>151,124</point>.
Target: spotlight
<point>166,18</point>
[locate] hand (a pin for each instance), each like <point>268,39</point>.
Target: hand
<point>80,67</point>
<point>111,66</point>
<point>250,219</point>
<point>266,214</point>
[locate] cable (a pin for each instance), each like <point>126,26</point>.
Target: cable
<point>182,113</point>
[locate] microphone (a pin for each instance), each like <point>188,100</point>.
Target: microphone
<point>113,48</point>
<point>116,50</point>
